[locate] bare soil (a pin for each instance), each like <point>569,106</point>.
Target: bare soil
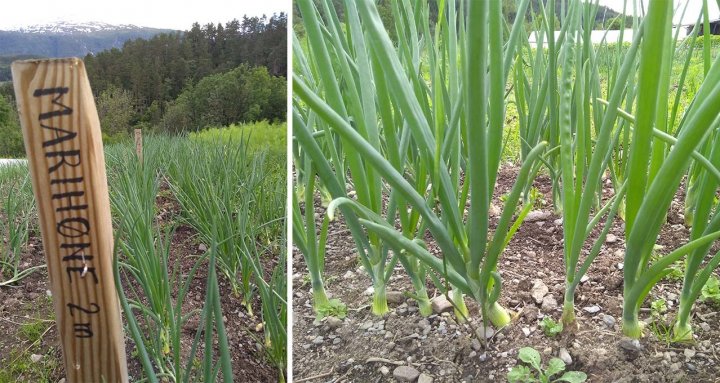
<point>367,348</point>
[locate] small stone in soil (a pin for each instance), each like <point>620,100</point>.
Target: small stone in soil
<point>406,373</point>
<point>369,291</point>
<point>539,290</point>
<point>630,344</point>
<point>584,279</point>
<point>384,370</point>
<point>486,332</point>
<point>592,309</point>
<point>35,358</point>
<point>537,215</point>
<point>202,247</point>
<point>425,378</point>
<point>689,353</point>
<point>333,322</point>
<point>548,303</point>
<point>380,325</point>
<point>348,274</point>
<point>609,321</point>
<point>366,326</point>
<point>318,340</point>
<point>526,331</point>
<point>442,329</point>
<point>440,304</point>
<point>564,355</point>
<point>611,238</point>
<point>395,297</point>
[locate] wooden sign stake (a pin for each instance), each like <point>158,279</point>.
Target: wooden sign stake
<point>65,156</point>
<point>139,145</point>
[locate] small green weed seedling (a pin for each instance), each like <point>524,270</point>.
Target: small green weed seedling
<point>658,307</point>
<point>659,326</point>
<point>676,269</point>
<point>550,327</point>
<point>334,308</point>
<point>529,355</point>
<point>711,291</point>
<point>537,198</point>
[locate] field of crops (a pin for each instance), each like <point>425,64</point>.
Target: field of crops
<point>470,208</point>
<point>199,233</point>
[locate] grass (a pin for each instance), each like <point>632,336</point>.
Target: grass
<point>258,136</point>
<point>24,369</point>
<point>18,364</point>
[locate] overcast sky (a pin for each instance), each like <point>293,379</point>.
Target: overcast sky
<point>147,13</point>
<point>693,10</point>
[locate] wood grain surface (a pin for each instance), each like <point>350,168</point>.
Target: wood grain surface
<point>65,156</point>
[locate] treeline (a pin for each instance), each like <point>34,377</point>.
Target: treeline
<point>158,82</point>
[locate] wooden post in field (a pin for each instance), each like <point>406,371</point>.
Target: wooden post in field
<point>139,145</point>
<point>65,156</point>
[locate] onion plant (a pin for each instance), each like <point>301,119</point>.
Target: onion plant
<point>582,165</point>
<point>178,367</point>
<point>146,250</point>
<point>215,185</point>
<point>692,188</point>
<point>272,288</point>
<point>707,221</point>
<point>701,184</point>
<point>451,138</point>
<point>307,241</point>
<point>332,59</point>
<point>653,181</point>
<point>17,212</point>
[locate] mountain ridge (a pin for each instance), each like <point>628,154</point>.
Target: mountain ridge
<point>66,39</point>
<point>74,27</point>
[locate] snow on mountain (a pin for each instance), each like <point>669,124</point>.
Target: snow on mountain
<point>70,38</point>
<point>69,28</point>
